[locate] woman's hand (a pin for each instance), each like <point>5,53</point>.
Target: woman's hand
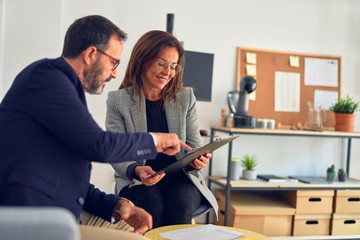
<point>144,172</point>
<point>201,162</point>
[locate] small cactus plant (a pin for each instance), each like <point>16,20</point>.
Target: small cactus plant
<point>331,169</point>
<point>342,175</point>
<point>330,174</point>
<point>341,171</point>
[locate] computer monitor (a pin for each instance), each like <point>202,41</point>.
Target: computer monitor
<point>198,72</point>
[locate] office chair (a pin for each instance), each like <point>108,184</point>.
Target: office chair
<point>34,223</point>
<point>44,223</point>
<point>204,208</point>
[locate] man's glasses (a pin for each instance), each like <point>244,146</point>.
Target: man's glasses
<point>115,61</point>
<point>163,65</point>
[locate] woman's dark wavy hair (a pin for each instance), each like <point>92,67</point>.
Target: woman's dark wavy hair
<point>146,49</point>
<point>93,30</point>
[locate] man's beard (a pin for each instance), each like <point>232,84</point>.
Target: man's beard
<point>92,80</point>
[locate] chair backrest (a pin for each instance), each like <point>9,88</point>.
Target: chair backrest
<point>35,223</point>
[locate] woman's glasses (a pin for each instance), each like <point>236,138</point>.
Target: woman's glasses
<point>163,65</point>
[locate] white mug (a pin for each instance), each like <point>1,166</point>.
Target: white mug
<point>270,123</point>
<point>261,123</point>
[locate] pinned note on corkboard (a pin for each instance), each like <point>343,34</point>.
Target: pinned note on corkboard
<point>287,81</point>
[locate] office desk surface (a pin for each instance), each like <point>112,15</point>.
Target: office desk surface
<point>154,234</point>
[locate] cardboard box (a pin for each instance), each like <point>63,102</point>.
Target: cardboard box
<point>310,201</point>
<point>347,201</point>
<point>261,212</point>
<point>314,224</point>
<point>220,198</point>
<point>345,224</point>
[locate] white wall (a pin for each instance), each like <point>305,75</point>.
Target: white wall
<point>29,33</point>
<point>34,29</point>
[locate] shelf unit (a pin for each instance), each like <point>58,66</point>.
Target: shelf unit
<point>263,186</point>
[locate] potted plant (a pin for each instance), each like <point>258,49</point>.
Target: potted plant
<point>344,109</point>
<point>330,174</point>
<point>249,163</point>
<point>342,175</point>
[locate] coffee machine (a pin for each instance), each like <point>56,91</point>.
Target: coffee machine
<point>238,102</point>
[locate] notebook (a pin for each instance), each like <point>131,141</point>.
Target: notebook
<point>276,179</point>
<point>310,179</point>
<point>190,156</point>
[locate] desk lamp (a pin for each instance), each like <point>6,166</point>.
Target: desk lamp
<point>238,102</point>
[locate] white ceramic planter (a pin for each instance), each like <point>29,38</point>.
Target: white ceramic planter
<point>249,174</point>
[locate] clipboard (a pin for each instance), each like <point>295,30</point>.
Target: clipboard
<point>190,156</point>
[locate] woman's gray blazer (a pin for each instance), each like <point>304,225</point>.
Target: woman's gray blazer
<point>125,114</point>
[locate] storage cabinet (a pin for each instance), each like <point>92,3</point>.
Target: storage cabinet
<point>262,212</point>
<point>259,185</point>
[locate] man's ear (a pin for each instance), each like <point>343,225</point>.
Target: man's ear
<point>89,55</point>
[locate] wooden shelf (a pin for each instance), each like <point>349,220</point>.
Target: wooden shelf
<point>261,185</point>
<point>287,132</point>
<point>351,183</point>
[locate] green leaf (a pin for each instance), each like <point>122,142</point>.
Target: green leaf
<point>345,105</point>
<point>249,162</point>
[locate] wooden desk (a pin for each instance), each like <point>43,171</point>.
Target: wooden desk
<point>154,234</point>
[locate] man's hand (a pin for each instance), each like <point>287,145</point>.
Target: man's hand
<point>136,217</point>
<point>169,143</point>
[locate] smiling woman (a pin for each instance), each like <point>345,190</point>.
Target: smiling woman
<point>152,98</point>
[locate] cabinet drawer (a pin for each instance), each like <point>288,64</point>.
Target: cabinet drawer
<point>310,201</point>
<point>345,224</point>
<point>347,201</point>
<point>315,224</point>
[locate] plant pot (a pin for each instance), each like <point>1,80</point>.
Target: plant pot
<point>249,174</point>
<point>330,177</point>
<point>342,177</point>
<point>344,122</point>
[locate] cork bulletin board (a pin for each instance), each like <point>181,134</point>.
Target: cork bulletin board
<point>265,65</point>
